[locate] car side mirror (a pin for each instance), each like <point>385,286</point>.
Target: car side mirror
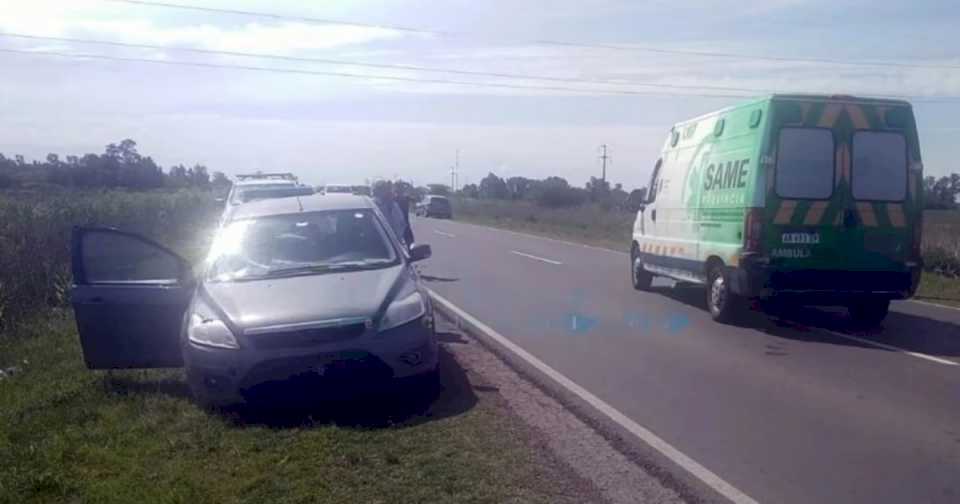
<point>419,252</point>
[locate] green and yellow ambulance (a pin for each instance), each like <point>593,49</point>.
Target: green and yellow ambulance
<point>816,199</point>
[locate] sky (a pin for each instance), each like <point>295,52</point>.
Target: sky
<point>360,126</point>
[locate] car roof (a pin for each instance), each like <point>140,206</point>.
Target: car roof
<point>296,204</point>
<point>264,182</point>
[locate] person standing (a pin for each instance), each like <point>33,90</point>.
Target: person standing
<point>384,198</point>
<point>403,201</point>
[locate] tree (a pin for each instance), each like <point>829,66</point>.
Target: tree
<point>556,192</point>
<point>470,191</point>
<point>518,187</point>
<point>598,189</point>
<point>439,189</point>
<point>199,177</point>
<point>941,193</point>
<point>220,181</point>
<point>493,187</point>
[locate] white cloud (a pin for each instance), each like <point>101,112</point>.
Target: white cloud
<point>85,19</point>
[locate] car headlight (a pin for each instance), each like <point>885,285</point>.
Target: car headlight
<point>210,332</point>
<point>408,306</point>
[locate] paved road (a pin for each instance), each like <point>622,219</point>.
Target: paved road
<point>787,409</point>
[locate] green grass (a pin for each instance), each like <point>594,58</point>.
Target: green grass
<point>588,224</point>
<point>69,435</point>
<point>72,435</point>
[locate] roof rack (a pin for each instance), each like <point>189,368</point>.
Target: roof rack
<point>260,175</point>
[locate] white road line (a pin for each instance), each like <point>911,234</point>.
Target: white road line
<point>666,449</point>
<point>538,237</point>
<point>936,305</point>
<point>893,348</point>
<point>537,258</point>
<point>441,233</point>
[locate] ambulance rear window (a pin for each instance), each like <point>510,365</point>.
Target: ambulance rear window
<point>879,166</point>
<point>805,163</point>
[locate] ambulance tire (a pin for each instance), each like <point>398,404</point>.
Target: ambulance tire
<point>640,277</point>
<point>725,306</point>
<point>868,313</point>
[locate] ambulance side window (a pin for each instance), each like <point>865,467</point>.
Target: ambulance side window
<point>654,183</point>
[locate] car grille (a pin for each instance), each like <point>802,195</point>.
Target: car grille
<point>307,337</point>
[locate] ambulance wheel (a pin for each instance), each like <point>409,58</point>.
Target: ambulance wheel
<point>640,277</point>
<point>868,312</point>
<point>724,305</point>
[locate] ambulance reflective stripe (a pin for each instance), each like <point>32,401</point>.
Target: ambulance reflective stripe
<point>857,117</point>
<point>815,213</point>
<point>843,164</point>
<point>896,215</point>
<point>867,215</point>
<point>829,115</point>
<point>785,212</point>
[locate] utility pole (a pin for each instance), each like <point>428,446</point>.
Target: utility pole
<point>454,172</point>
<point>604,157</point>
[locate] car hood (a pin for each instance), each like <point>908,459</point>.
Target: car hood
<point>308,298</point>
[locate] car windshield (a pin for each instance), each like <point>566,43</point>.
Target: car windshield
<point>302,243</point>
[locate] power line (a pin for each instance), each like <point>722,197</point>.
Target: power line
<point>544,42</point>
<point>568,80</point>
<point>301,59</point>
<point>362,76</point>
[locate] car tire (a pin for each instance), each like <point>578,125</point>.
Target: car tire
<point>868,312</point>
<point>427,383</point>
<point>639,277</point>
<point>724,306</point>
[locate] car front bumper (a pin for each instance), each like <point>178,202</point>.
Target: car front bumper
<point>369,361</point>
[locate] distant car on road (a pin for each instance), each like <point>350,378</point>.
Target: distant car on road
<point>310,291</point>
<point>435,206</point>
<point>812,199</point>
<point>252,187</point>
<point>337,189</point>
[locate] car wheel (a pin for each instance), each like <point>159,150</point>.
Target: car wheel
<point>426,384</point>
<point>641,278</point>
<point>868,312</point>
<point>724,305</point>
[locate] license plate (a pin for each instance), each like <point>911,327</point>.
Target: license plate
<point>801,238</point>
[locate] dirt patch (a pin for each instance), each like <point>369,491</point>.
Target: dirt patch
<point>579,463</point>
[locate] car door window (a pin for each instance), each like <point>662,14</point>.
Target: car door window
<point>110,257</point>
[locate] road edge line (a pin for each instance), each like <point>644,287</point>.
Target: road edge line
<point>707,477</point>
<point>892,348</point>
<point>935,305</point>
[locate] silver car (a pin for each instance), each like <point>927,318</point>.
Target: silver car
<point>309,294</point>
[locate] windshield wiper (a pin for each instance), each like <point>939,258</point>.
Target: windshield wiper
<point>324,268</point>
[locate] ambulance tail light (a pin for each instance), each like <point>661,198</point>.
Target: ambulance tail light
<point>753,230</point>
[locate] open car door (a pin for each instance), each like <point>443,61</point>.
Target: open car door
<point>129,297</point>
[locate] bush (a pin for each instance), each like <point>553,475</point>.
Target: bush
<point>35,236</point>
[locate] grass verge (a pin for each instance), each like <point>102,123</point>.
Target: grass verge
<point>68,434</point>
